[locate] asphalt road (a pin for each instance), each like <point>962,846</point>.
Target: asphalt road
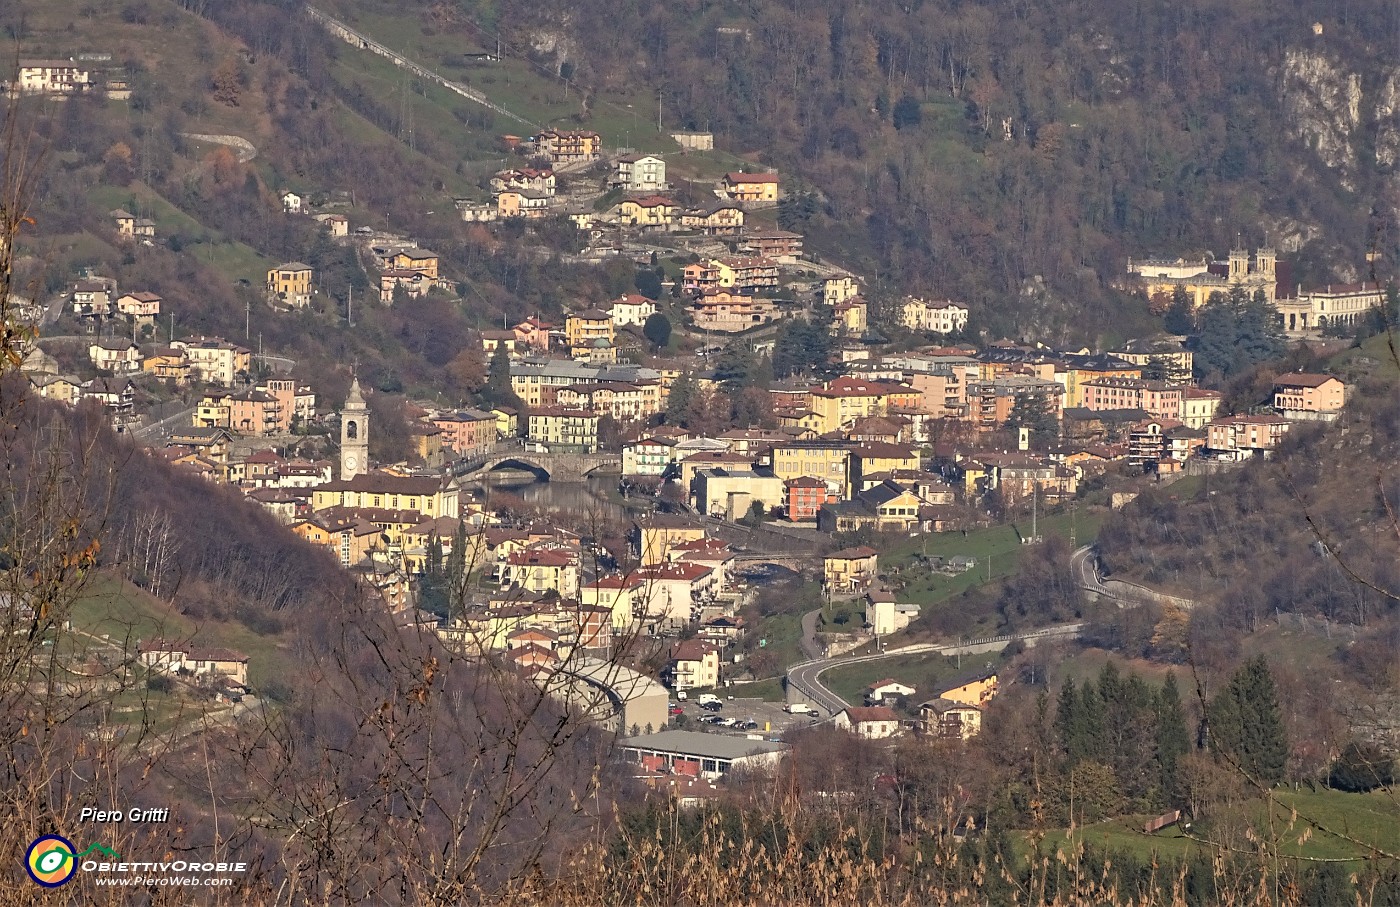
<point>806,677</point>
<point>1084,566</point>
<point>157,431</point>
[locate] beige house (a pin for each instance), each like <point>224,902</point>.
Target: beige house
<point>876,722</point>
<point>116,356</point>
<point>750,188</point>
<point>850,569</point>
<point>52,77</point>
<point>693,664</point>
<point>1198,406</point>
<point>950,720</point>
<point>215,361</point>
<point>934,317</point>
<point>170,657</point>
<point>142,307</point>
<point>290,283</point>
<point>1308,397</point>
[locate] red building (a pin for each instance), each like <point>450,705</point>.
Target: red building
<point>805,496</point>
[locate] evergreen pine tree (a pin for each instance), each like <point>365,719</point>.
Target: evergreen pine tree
<point>455,572</point>
<point>679,400</point>
<point>1264,740</point>
<point>1173,742</point>
<point>1180,317</point>
<point>1067,718</point>
<point>1245,723</point>
<point>432,591</point>
<point>1033,411</point>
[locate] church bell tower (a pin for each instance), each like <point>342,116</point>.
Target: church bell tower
<point>354,434</point>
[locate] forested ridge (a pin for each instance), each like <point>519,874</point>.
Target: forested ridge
<point>1015,154</point>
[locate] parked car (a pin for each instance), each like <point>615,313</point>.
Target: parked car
<point>676,710</point>
<point>748,724</point>
<point>712,706</point>
<point>726,722</point>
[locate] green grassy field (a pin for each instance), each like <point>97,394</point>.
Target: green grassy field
<point>998,551</point>
<point>1375,356</point>
<point>1373,819</point>
<point>114,613</point>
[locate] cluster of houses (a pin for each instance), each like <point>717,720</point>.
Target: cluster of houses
<point>954,714</point>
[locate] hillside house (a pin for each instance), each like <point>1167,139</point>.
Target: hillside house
<point>639,173</point>
<point>215,361</point>
<point>778,245</point>
<point>114,355</point>
<point>290,284</point>
<point>170,656</point>
<point>719,219</point>
<point>415,284</point>
<point>526,203</point>
<point>583,329</point>
<point>125,222</point>
<point>1242,437</point>
<point>885,692</point>
<point>1307,397</point>
<point>945,317</point>
<point>292,203</point>
<point>869,722</point>
<point>950,720</point>
<point>539,180</point>
<point>651,211</point>
<point>337,225</point>
<point>569,146</point>
<point>750,188</point>
<point>631,309</point>
<point>52,77</point>
<point>142,307</point>
<point>850,569</point>
<point>978,691</point>
<point>93,298</point>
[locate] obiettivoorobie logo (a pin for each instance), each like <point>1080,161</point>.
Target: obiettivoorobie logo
<point>52,860</point>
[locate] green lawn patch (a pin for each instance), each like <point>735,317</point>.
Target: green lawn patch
<point>1373,819</point>
<point>112,608</point>
<point>997,549</point>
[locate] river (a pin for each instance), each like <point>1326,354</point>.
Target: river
<point>576,506</point>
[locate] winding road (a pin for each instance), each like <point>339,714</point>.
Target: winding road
<point>804,682</point>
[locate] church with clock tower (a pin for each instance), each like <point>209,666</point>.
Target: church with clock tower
<point>354,434</point>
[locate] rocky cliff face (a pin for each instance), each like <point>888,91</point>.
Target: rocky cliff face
<point>1322,105</point>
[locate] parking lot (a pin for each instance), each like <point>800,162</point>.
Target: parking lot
<point>769,716</point>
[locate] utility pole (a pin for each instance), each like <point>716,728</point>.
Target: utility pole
<point>247,319</point>
<point>350,308</point>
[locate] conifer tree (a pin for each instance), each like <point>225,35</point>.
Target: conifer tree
<point>1245,724</point>
<point>1173,741</point>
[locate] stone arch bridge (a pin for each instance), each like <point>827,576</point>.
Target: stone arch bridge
<point>553,467</point>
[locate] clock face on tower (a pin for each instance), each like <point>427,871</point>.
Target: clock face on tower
<point>351,463</point>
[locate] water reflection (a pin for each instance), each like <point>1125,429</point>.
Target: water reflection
<point>577,506</point>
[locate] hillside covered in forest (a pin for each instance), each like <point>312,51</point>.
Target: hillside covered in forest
<point>1014,155</point>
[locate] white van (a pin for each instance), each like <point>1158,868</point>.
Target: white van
<point>707,697</point>
<point>799,708</point>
